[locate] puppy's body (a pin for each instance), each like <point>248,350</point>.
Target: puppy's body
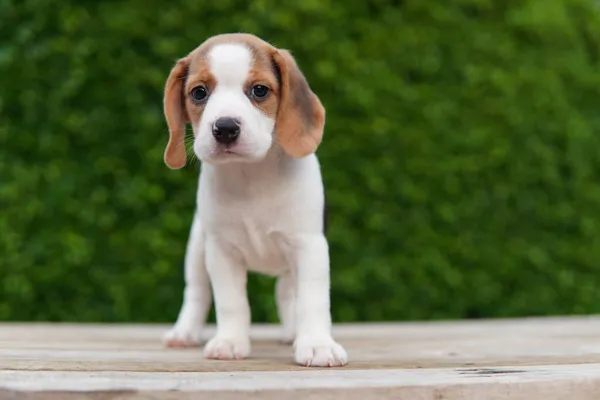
<point>260,196</point>
<point>255,209</point>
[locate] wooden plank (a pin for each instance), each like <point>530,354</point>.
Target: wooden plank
<point>544,358</point>
<point>487,383</point>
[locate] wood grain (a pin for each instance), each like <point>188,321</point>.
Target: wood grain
<point>545,358</point>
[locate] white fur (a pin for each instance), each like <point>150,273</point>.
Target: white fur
<point>258,211</point>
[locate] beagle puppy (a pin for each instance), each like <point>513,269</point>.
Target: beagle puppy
<point>260,202</point>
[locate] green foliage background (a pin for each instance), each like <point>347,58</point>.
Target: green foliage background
<point>461,154</point>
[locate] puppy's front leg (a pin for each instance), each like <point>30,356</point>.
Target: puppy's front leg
<point>228,277</point>
<point>187,331</point>
<point>314,346</point>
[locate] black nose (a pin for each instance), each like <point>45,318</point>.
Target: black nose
<point>226,130</point>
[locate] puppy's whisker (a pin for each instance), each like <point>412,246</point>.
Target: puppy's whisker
<point>192,159</point>
<point>191,156</point>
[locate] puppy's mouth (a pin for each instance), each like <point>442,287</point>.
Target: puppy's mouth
<point>226,151</point>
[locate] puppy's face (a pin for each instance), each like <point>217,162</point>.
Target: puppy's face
<point>241,96</point>
<point>232,100</point>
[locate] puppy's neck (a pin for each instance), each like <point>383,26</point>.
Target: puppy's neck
<point>275,170</point>
<point>271,162</point>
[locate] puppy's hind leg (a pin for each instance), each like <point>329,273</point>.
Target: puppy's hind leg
<point>285,295</point>
<point>187,331</point>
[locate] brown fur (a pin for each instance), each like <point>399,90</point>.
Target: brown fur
<point>200,75</point>
<point>299,115</point>
<point>176,115</point>
<point>264,77</point>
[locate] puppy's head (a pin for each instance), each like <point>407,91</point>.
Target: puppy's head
<point>241,96</point>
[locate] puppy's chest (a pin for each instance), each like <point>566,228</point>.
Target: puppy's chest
<point>255,232</point>
<point>260,243</point>
<point>255,217</point>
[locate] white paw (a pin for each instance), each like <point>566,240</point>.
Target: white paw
<point>183,335</point>
<point>322,352</point>
<point>227,348</point>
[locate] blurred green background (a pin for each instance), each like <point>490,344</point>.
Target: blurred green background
<point>461,154</point>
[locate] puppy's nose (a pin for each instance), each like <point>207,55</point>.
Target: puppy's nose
<point>226,130</point>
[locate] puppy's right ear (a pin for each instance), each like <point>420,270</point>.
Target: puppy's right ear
<point>175,114</point>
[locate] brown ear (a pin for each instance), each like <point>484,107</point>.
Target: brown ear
<point>300,117</point>
<point>176,115</point>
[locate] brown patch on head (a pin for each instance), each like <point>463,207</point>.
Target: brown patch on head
<point>263,73</point>
<point>199,75</point>
<point>298,113</point>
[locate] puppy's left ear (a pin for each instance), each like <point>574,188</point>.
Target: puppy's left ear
<point>300,117</point>
<point>176,115</point>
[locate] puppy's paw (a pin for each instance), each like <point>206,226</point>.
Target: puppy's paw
<point>319,352</point>
<point>183,335</point>
<point>227,348</point>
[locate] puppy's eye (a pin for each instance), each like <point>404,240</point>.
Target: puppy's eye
<point>199,94</point>
<point>260,92</point>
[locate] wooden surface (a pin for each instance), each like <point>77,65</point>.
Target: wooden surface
<point>551,358</point>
